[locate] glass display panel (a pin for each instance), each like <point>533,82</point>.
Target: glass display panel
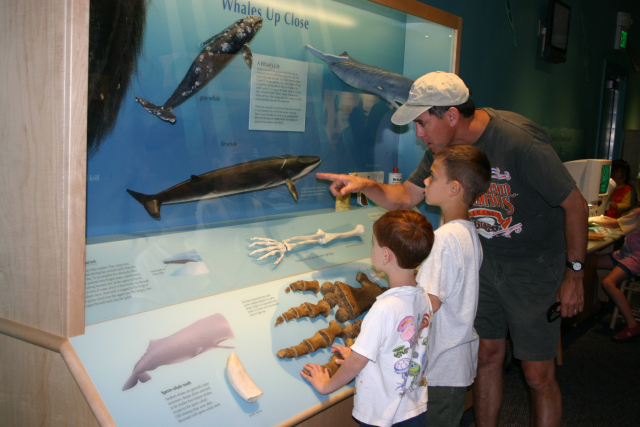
<point>206,225</point>
<point>185,137</point>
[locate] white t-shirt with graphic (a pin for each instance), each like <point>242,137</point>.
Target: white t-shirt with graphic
<point>394,337</point>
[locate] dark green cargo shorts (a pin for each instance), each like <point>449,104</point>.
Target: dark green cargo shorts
<point>514,296</point>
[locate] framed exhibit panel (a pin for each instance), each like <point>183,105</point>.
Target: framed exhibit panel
<point>208,235</point>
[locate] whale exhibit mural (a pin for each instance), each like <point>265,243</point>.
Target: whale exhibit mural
<point>203,335</point>
<point>218,51</point>
<point>255,175</point>
<point>392,87</point>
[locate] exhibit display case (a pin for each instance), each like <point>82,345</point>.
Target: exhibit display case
<point>208,235</point>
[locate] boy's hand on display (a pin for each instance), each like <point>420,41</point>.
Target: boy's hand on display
<point>343,351</point>
<point>318,376</point>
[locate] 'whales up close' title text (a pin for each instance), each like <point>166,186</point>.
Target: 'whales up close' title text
<point>287,18</point>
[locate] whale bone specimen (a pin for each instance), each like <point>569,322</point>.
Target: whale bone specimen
<point>259,174</point>
<point>322,339</point>
<point>274,247</point>
<point>392,87</point>
<point>240,380</point>
<point>202,335</point>
<point>218,51</point>
<point>355,301</point>
<point>304,285</point>
<point>306,309</point>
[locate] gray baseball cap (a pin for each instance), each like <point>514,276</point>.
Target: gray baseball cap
<point>433,89</point>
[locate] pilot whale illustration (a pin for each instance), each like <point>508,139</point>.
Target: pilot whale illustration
<point>255,175</point>
<point>392,87</point>
<point>218,51</point>
<point>202,335</point>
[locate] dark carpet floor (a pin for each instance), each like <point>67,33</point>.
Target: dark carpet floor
<point>599,379</point>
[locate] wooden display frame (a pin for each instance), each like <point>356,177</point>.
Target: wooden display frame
<point>42,219</point>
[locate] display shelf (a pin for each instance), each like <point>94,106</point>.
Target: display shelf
<point>197,389</point>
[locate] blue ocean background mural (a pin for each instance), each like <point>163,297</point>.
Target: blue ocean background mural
<point>348,129</point>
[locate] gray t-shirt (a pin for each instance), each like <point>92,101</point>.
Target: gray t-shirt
<point>519,215</point>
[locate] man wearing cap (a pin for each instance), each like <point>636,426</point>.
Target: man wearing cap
<point>533,227</point>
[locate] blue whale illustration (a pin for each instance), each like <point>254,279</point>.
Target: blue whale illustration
<point>218,51</point>
<point>392,87</point>
<point>249,176</point>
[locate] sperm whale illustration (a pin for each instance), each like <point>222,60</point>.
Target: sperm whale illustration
<point>202,335</point>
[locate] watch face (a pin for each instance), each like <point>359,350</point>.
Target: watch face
<point>575,265</point>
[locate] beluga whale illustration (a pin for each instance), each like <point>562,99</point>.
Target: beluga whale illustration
<point>255,175</point>
<point>218,51</point>
<point>392,87</point>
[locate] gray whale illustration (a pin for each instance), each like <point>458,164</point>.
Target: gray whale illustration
<point>392,87</point>
<point>241,178</point>
<point>202,335</point>
<point>218,51</point>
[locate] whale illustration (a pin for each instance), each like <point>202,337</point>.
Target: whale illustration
<point>202,335</point>
<point>393,88</point>
<point>241,178</point>
<point>183,258</point>
<point>218,51</point>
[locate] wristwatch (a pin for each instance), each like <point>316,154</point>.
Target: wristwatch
<point>575,265</point>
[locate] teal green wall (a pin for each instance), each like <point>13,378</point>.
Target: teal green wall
<point>563,98</point>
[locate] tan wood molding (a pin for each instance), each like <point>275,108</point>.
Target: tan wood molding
<point>318,408</point>
<point>31,335</point>
<point>88,389</point>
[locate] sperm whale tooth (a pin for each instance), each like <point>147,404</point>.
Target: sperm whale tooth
<point>240,380</point>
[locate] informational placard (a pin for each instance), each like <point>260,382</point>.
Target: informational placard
<point>278,97</point>
<point>131,275</point>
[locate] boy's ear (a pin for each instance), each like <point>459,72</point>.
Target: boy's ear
<point>454,188</point>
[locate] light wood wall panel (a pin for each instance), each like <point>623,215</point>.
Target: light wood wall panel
<point>38,389</point>
<point>43,163</point>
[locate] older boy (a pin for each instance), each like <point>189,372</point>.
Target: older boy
<point>459,174</point>
<point>390,354</point>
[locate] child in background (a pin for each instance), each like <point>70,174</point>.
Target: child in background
<point>459,175</point>
<point>621,198</point>
<point>389,357</point>
<point>624,264</point>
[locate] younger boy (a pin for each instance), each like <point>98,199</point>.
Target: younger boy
<point>459,174</point>
<point>389,356</point>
